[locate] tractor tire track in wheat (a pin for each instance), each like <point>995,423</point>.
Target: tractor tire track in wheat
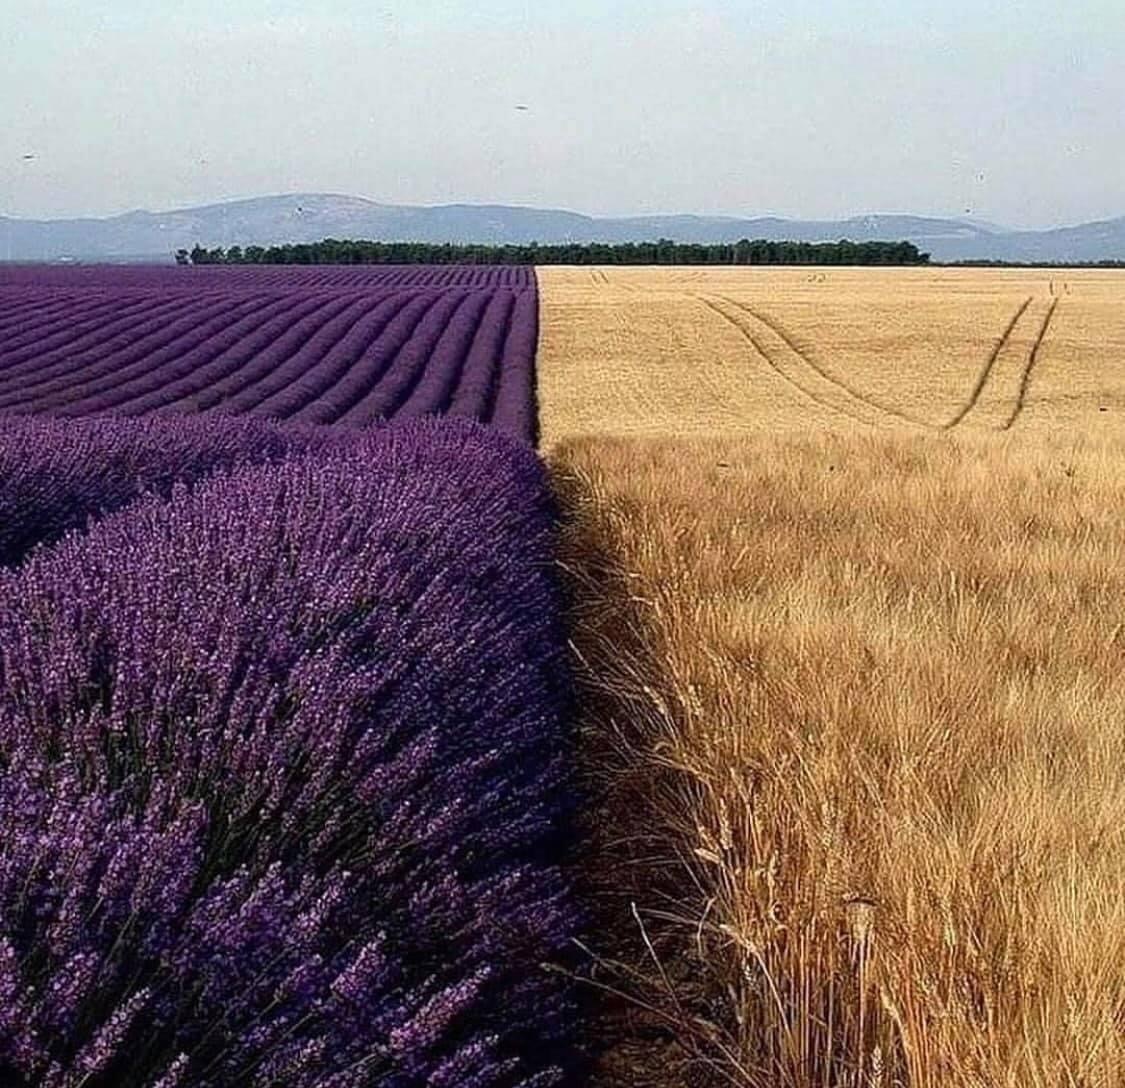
<point>793,366</point>
<point>989,366</point>
<point>1005,378</point>
<point>1032,359</point>
<point>823,374</point>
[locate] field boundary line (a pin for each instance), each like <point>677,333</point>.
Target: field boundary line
<point>783,334</point>
<point>989,366</point>
<point>1032,359</point>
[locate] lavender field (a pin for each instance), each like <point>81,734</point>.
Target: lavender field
<point>285,779</point>
<point>285,752</point>
<point>344,345</point>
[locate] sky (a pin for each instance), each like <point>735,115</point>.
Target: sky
<point>1009,111</point>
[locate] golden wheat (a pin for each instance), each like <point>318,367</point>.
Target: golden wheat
<point>663,352</point>
<point>868,705</point>
<point>853,701</point>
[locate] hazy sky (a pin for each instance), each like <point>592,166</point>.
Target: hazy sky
<point>796,107</point>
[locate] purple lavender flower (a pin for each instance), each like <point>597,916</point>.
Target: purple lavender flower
<point>351,346</point>
<point>56,475</point>
<point>283,778</point>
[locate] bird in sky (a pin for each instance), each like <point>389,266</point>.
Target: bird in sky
<point>28,158</point>
<point>523,108</point>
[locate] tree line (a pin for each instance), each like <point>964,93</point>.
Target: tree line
<point>662,251</point>
<point>982,262</point>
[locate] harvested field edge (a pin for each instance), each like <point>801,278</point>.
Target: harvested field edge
<point>652,1022</point>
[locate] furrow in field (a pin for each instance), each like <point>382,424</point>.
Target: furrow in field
<point>20,312</point>
<point>1032,359</point>
<point>97,379</point>
<point>804,360</point>
<point>303,362</point>
<point>148,386</point>
<point>434,391</point>
<point>218,395</point>
<point>66,339</point>
<point>187,390</point>
<point>473,393</point>
<point>513,404</point>
<point>989,366</point>
<point>32,380</point>
<point>400,377</point>
<point>352,387</point>
<point>63,325</point>
<point>439,354</point>
<point>304,388</point>
<point>23,321</point>
<point>793,369</point>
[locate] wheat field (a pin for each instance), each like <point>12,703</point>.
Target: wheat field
<point>846,553</point>
<point>688,352</point>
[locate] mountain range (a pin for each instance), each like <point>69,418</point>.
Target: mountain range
<point>307,217</point>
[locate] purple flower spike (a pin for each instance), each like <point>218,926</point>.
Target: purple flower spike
<point>284,786</point>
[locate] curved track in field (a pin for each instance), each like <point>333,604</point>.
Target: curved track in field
<point>330,345</point>
<point>1032,359</point>
<point>777,347</point>
<point>989,366</point>
<point>859,401</point>
<point>793,366</point>
<point>1004,381</point>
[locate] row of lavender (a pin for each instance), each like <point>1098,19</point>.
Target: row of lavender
<point>352,348</point>
<point>283,758</point>
<point>276,277</point>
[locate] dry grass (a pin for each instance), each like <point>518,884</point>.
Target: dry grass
<point>857,713</point>
<point>849,616</point>
<point>663,352</point>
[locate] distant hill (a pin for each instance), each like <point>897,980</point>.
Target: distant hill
<point>307,217</point>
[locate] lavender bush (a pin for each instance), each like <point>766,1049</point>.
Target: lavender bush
<point>283,780</point>
<point>56,475</point>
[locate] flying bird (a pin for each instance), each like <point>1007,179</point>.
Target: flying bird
<point>523,108</point>
<point>28,158</point>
